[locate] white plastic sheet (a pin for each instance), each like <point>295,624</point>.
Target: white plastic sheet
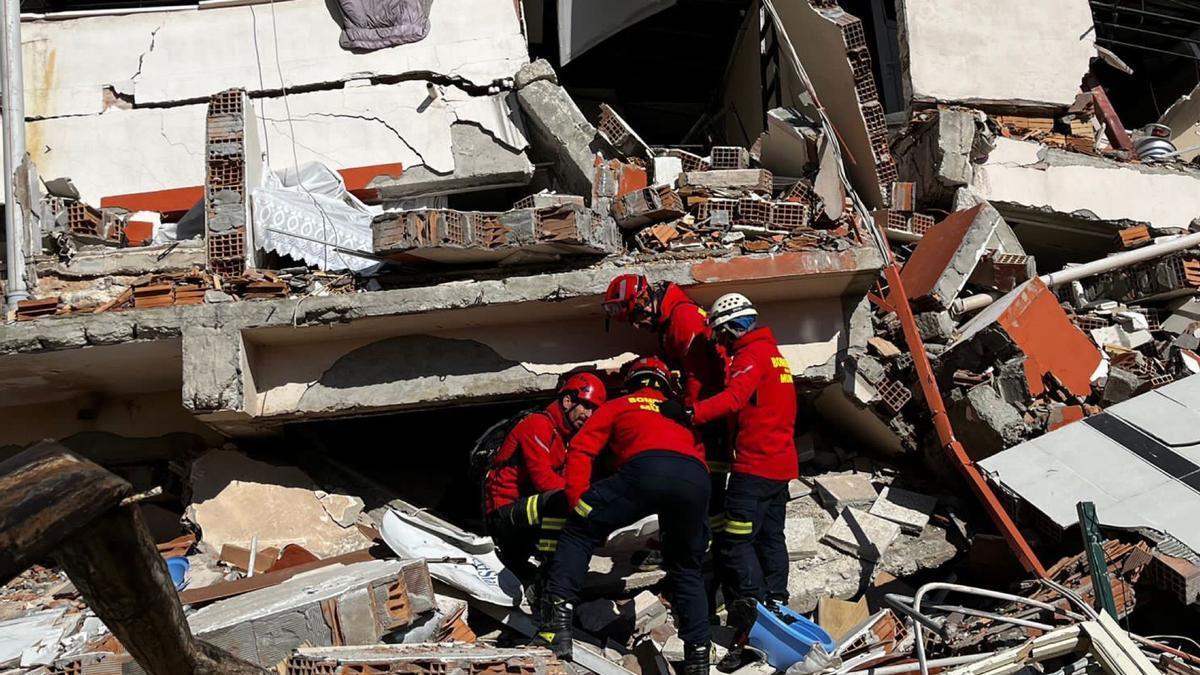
<point>482,576</point>
<point>311,217</point>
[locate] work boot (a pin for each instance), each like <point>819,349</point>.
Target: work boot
<point>695,659</point>
<point>555,631</point>
<point>743,612</point>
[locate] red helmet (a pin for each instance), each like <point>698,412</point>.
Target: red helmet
<point>585,387</point>
<point>625,294</point>
<point>649,371</point>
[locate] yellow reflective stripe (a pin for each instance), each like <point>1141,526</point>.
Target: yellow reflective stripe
<point>553,523</point>
<point>717,523</point>
<point>548,637</point>
<point>547,545</point>
<point>529,510</point>
<point>739,527</point>
<point>582,508</point>
<point>534,501</point>
<point>718,467</point>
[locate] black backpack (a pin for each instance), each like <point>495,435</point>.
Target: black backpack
<point>484,452</point>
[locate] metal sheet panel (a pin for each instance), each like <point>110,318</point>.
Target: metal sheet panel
<point>1148,483</point>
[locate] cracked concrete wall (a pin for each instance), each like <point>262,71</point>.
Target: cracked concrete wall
<point>1032,176</point>
<point>124,151</point>
<point>171,57</point>
<point>347,109</point>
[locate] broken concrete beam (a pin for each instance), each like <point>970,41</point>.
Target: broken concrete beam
<point>460,237</point>
<point>936,153</point>
<point>1121,385</point>
<point>455,657</point>
<point>910,510</point>
<point>935,326</point>
<point>984,421</point>
<point>947,257</point>
<point>840,491</point>
<point>558,130</point>
<point>743,180</point>
<point>861,534</point>
<point>1029,321</point>
<point>617,132</point>
<point>965,52</point>
<point>650,205</point>
<point>534,72</point>
<point>358,604</point>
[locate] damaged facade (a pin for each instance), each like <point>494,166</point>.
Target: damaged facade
<point>280,287</point>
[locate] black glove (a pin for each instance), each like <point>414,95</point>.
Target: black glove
<point>676,411</point>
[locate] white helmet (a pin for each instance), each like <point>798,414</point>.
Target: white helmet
<point>730,308</point>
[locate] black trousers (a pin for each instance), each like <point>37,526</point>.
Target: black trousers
<point>659,482</point>
<point>752,551</point>
<point>527,528</point>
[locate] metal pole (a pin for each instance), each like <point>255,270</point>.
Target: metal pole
<point>12,102</point>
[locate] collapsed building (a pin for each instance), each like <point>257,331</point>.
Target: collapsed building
<point>281,289</point>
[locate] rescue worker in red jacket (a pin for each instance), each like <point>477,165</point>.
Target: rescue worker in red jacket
<point>688,346</point>
<point>523,498</point>
<point>659,470</point>
<point>760,394</point>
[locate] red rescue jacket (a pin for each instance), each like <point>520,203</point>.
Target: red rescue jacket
<point>530,460</point>
<point>629,426</point>
<point>760,392</point>
<point>688,345</point>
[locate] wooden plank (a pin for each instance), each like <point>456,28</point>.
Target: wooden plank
<point>47,494</point>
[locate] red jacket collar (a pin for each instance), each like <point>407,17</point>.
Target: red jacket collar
<point>757,335</point>
<point>559,417</point>
<point>672,298</point>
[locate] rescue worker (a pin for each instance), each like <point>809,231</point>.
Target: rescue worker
<point>687,345</point>
<point>760,394</point>
<point>659,470</point>
<point>523,499</point>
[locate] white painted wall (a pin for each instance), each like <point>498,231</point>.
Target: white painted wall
<point>982,50</point>
<point>125,151</point>
<point>1110,190</point>
<point>165,57</point>
<point>173,56</point>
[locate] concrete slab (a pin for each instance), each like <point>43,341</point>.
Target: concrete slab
<point>801,536</point>
<point>861,534</point>
<point>839,491</point>
<point>355,603</point>
<point>910,510</point>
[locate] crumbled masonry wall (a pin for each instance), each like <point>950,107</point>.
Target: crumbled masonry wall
<point>558,130</point>
<point>1012,53</point>
<point>348,109</point>
<point>833,48</point>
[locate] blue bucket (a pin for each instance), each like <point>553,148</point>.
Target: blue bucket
<point>178,567</point>
<point>786,643</point>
